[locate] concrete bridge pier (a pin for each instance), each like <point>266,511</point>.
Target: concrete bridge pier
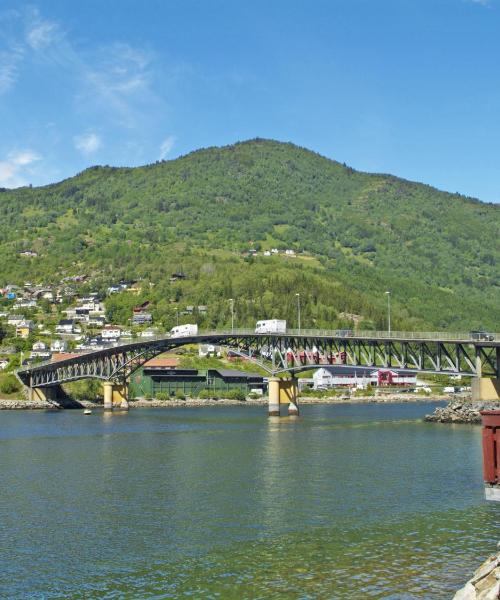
<point>283,391</point>
<point>485,388</point>
<point>115,395</point>
<point>45,394</point>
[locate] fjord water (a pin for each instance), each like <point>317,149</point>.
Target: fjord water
<point>344,502</point>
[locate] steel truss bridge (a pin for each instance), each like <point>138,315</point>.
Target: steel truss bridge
<point>291,352</point>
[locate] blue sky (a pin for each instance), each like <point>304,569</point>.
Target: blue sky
<point>409,87</point>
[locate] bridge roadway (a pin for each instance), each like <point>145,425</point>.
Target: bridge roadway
<point>286,353</point>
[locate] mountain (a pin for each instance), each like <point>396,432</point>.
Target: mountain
<point>356,235</point>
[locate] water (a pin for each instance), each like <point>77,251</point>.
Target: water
<point>345,502</point>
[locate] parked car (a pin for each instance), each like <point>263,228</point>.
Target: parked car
<point>481,336</point>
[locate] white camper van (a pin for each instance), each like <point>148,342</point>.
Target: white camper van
<point>184,330</point>
<point>271,326</point>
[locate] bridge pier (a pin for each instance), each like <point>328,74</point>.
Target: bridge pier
<point>45,394</point>
<point>115,395</point>
<point>283,391</point>
<point>485,388</point>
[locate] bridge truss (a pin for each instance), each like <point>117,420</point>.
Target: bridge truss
<point>284,353</point>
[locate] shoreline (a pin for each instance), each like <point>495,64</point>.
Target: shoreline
<point>13,404</point>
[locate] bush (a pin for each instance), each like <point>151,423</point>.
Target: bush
<point>9,385</point>
<point>162,396</point>
<point>205,394</point>
<point>254,396</point>
<point>236,395</point>
<point>180,395</point>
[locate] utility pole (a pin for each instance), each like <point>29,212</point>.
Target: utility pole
<point>177,316</point>
<point>388,312</point>
<point>298,309</point>
<point>232,314</point>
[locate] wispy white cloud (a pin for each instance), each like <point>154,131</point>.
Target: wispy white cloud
<point>41,33</point>
<point>481,2</point>
<point>87,143</point>
<point>10,61</point>
<point>17,167</point>
<point>166,146</point>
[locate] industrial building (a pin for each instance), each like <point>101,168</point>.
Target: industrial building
<point>162,375</point>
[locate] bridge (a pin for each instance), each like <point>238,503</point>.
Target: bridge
<point>283,355</point>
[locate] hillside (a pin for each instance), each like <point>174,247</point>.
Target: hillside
<point>356,236</point>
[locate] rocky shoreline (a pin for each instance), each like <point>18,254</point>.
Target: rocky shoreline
<point>461,410</point>
<point>21,404</point>
<point>484,584</point>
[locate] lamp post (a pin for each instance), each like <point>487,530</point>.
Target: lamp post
<point>388,312</point>
<point>298,309</point>
<point>232,314</point>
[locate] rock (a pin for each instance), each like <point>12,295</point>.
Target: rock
<point>484,584</point>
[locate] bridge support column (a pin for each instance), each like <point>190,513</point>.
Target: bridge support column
<point>45,394</point>
<point>283,391</point>
<point>485,388</point>
<point>274,396</point>
<point>115,396</point>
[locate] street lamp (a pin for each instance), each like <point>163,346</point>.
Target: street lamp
<point>388,312</point>
<point>232,314</point>
<point>298,309</point>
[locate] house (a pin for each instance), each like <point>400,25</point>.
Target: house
<point>39,346</point>
<point>202,309</point>
<point>111,332</point>
<point>3,363</point>
<point>65,326</point>
<point>142,318</point>
<point>361,377</point>
<point>24,329</point>
<point>14,320</point>
<point>40,351</point>
<point>149,333</point>
<point>274,251</point>
<point>267,253</point>
<point>290,252</point>
<point>141,307</point>
<point>29,253</point>
<point>96,320</point>
<point>206,350</point>
<point>59,346</point>
<point>25,304</point>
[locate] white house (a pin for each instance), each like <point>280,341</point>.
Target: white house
<point>111,332</point>
<point>3,363</point>
<point>361,377</point>
<point>15,320</point>
<point>59,346</point>
<point>65,326</point>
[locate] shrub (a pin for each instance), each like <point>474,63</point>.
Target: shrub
<point>236,395</point>
<point>180,395</point>
<point>9,385</point>
<point>162,396</point>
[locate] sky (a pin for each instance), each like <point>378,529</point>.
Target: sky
<point>408,87</point>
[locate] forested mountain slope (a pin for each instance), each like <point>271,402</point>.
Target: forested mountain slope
<point>357,235</point>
